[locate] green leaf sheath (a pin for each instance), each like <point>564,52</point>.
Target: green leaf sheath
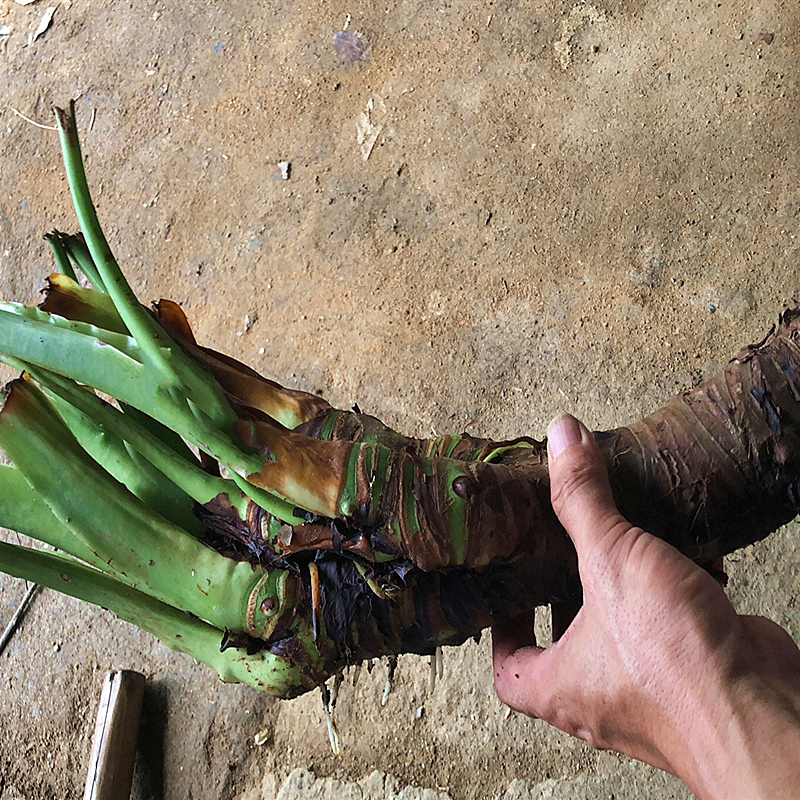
<point>241,385</point>
<point>137,545</point>
<point>24,511</point>
<point>273,674</point>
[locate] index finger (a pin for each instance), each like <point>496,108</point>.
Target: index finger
<point>519,675</point>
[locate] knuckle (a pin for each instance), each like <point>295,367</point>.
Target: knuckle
<point>570,479</point>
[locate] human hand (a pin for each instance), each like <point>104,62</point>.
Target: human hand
<point>656,664</point>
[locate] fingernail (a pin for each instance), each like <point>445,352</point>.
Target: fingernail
<point>563,432</point>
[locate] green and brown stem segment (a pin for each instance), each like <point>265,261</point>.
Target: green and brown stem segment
<point>715,469</point>
<point>472,540</point>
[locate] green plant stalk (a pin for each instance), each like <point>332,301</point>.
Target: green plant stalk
<point>78,253</point>
<point>155,556</point>
<point>164,434</point>
<point>12,313</point>
<point>97,310</point>
<point>91,308</point>
<point>157,346</point>
<point>142,327</point>
<point>124,463</point>
<point>189,389</point>
<point>264,671</point>
<point>60,254</point>
<point>139,459</point>
<point>104,419</point>
<point>111,363</point>
<point>69,300</point>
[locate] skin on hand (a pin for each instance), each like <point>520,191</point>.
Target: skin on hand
<point>656,664</point>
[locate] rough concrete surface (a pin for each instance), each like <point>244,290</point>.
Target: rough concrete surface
<point>628,780</point>
<point>503,211</point>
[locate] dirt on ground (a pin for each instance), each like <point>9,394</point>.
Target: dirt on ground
<point>486,214</point>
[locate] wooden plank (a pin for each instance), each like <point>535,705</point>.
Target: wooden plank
<point>115,736</point>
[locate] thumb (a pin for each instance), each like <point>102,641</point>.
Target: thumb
<point>579,487</point>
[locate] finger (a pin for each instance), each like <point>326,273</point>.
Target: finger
<point>562,613</point>
<point>518,677</point>
<point>579,487</point>
<point>513,634</point>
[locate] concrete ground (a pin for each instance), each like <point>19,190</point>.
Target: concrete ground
<point>494,212</point>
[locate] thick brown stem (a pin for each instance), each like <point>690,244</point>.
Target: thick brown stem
<point>718,467</point>
<point>714,470</point>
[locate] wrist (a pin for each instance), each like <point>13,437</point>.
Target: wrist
<point>742,739</point>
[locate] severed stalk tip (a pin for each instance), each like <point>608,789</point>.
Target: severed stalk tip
<point>66,119</point>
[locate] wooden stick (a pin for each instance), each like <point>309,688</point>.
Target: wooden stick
<point>115,735</point>
<point>14,622</point>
